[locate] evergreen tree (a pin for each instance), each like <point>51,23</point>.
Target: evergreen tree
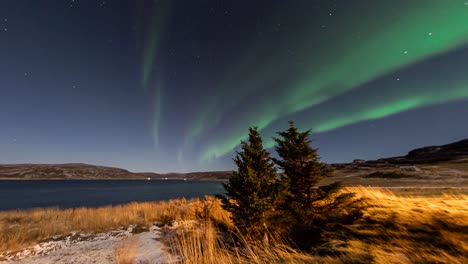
<point>312,208</point>
<point>250,189</point>
<point>302,170</point>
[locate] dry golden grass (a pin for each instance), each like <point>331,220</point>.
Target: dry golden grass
<point>19,229</point>
<point>204,244</point>
<point>395,229</point>
<point>415,229</point>
<point>125,253</point>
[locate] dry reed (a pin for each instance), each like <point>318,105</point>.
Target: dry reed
<point>394,229</point>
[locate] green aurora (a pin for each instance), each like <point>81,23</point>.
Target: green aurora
<point>423,32</point>
<point>380,44</point>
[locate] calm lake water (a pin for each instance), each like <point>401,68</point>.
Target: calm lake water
<point>69,193</point>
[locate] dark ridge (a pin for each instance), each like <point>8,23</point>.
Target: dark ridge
<point>425,155</point>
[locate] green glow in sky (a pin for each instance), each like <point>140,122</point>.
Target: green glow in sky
<point>417,33</point>
<point>151,44</point>
<point>157,115</point>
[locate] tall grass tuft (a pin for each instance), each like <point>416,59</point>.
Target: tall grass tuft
<point>206,245</point>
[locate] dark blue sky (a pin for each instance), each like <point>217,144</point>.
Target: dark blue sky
<point>174,85</point>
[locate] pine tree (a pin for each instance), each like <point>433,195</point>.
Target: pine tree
<point>302,171</point>
<point>313,209</point>
<point>250,189</point>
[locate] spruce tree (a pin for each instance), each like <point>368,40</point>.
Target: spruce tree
<point>302,170</point>
<point>250,188</point>
<point>313,209</point>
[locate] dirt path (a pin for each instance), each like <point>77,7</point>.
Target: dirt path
<point>100,249</point>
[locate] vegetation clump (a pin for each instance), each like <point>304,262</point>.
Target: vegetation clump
<point>291,201</point>
<point>251,188</point>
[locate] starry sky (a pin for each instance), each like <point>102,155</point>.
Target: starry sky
<point>173,85</point>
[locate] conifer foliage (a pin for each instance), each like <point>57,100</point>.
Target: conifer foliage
<point>302,171</point>
<point>251,187</point>
<point>292,201</point>
<point>313,210</point>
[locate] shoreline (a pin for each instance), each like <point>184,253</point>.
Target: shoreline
<point>107,179</point>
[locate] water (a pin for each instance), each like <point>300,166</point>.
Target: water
<point>69,194</point>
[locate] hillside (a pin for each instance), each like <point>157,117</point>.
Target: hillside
<point>64,171</point>
<point>431,154</point>
<point>79,171</point>
<point>443,167</point>
<point>447,161</point>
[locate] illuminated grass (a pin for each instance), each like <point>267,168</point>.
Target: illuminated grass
<point>395,229</point>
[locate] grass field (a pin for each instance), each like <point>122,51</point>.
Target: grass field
<point>395,229</point>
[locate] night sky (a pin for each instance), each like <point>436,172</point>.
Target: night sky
<point>173,85</point>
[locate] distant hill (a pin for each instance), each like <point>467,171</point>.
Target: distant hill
<point>64,171</point>
<point>453,151</point>
<point>421,171</point>
<point>79,171</point>
<point>431,154</point>
<point>457,151</point>
<point>425,155</point>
